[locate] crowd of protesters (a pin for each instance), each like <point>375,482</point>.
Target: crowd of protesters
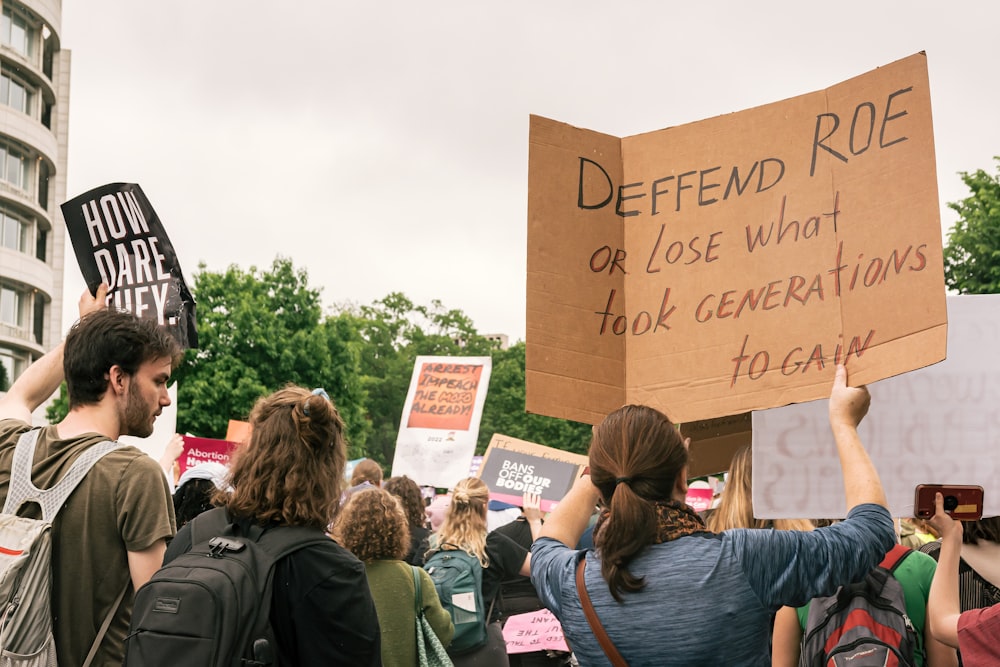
<point>656,583</point>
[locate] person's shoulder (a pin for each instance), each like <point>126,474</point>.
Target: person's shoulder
<point>11,426</point>
<point>133,461</point>
<point>329,551</point>
<point>498,540</point>
<point>932,549</point>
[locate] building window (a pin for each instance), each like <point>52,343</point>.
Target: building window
<point>41,243</point>
<point>16,33</point>
<point>38,323</point>
<point>12,364</point>
<point>14,168</point>
<point>14,232</point>
<point>15,94</point>
<point>11,307</point>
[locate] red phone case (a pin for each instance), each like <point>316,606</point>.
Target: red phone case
<point>962,501</point>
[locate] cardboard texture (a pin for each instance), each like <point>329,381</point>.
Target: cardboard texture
<point>726,265</point>
<point>714,442</point>
<point>440,421</point>
<point>512,467</point>
<point>936,425</point>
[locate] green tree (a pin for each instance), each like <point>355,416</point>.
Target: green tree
<point>395,331</point>
<point>260,330</point>
<point>504,410</point>
<point>59,407</point>
<point>972,255</point>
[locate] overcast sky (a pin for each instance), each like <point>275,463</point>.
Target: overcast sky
<point>383,146</point>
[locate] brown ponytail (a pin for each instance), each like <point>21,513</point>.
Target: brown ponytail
<point>636,455</point>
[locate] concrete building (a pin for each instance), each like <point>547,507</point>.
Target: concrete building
<point>34,113</point>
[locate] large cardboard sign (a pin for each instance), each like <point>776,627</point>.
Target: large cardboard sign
<point>727,265</point>
<point>937,425</point>
<point>440,421</point>
<point>513,467</point>
<point>119,240</point>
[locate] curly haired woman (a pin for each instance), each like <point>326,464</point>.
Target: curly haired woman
<point>408,494</point>
<point>290,473</point>
<point>372,525</point>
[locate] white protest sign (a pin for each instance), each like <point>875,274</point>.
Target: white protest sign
<point>440,421</point>
<point>936,425</point>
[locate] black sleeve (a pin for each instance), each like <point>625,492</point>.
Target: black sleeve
<point>506,558</point>
<point>180,544</point>
<point>323,612</point>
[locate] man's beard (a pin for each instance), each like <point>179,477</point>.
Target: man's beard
<point>137,415</point>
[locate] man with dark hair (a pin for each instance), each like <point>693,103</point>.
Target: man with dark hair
<point>110,536</point>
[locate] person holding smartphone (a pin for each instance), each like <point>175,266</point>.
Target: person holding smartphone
<point>974,632</point>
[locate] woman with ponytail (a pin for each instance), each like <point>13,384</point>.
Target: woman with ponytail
<point>666,590</point>
<point>290,472</point>
<point>502,558</point>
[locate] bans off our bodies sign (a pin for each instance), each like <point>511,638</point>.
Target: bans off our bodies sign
<point>514,467</point>
<point>728,265</point>
<point>119,240</point>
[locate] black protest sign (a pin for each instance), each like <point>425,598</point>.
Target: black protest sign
<point>119,240</point>
<point>514,467</point>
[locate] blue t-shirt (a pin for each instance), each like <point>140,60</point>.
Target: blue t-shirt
<point>708,598</point>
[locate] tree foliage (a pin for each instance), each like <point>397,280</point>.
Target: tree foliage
<point>260,330</point>
<point>972,255</point>
<point>395,331</point>
<point>504,410</point>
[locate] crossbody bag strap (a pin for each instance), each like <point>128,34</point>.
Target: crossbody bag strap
<point>104,627</point>
<point>595,623</point>
<point>417,594</point>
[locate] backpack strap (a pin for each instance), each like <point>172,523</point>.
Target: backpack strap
<point>594,621</point>
<point>417,595</point>
<point>105,625</point>
<point>894,557</point>
<point>23,490</point>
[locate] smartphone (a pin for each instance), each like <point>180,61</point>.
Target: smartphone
<point>962,502</point>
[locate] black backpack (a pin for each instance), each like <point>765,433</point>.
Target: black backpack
<point>862,624</point>
<point>210,606</point>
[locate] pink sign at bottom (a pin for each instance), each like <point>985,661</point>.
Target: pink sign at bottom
<point>534,631</point>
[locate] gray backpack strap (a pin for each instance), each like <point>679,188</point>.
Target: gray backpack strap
<point>22,490</point>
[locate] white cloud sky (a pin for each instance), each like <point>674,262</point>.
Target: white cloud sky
<point>383,146</point>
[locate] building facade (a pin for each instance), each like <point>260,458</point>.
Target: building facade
<point>34,114</point>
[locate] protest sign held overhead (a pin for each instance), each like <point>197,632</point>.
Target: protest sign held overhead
<point>936,425</point>
<point>514,467</point>
<point>440,420</point>
<point>729,264</point>
<point>119,240</point>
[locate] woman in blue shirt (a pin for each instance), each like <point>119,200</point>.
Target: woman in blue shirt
<point>667,591</point>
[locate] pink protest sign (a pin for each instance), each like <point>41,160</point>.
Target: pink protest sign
<point>534,631</point>
<point>202,450</point>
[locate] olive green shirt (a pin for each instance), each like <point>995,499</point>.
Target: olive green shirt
<point>123,504</point>
<point>391,584</point>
